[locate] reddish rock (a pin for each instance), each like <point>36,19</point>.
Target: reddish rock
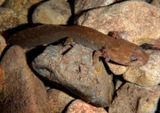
<point>22,91</point>
<point>78,106</point>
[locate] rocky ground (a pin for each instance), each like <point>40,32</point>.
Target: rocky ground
<point>45,80</point>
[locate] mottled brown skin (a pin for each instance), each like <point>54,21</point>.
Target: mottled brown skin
<point>116,49</point>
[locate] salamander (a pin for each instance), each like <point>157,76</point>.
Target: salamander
<point>117,50</point>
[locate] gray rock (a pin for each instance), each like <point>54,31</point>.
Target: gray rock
<point>135,99</point>
<point>52,12</point>
<point>76,72</point>
<point>22,91</point>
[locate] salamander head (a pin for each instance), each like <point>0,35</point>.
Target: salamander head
<point>126,53</point>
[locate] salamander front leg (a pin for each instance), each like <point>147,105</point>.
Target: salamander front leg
<point>68,44</point>
<point>100,53</point>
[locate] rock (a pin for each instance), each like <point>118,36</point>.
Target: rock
<point>81,5</point>
<point>75,71</point>
<point>22,91</point>
<point>156,3</point>
<point>2,44</point>
<point>135,99</point>
<point>1,80</point>
<point>8,19</point>
<point>78,106</point>
<point>52,12</point>
<point>2,1</point>
<point>21,8</point>
<point>147,75</point>
<point>58,100</point>
<point>139,20</point>
<point>117,69</point>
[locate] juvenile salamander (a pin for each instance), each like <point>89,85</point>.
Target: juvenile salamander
<point>116,49</point>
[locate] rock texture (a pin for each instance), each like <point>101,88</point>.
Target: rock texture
<point>139,21</point>
<point>52,12</point>
<point>22,91</point>
<point>79,106</point>
<point>147,75</point>
<point>21,8</point>
<point>8,19</point>
<point>75,71</point>
<point>58,100</point>
<point>2,44</point>
<point>135,99</point>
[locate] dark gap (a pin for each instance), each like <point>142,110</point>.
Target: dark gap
<point>66,107</point>
<point>72,7</point>
<point>158,107</point>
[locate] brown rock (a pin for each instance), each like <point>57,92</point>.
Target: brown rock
<point>2,44</point>
<point>76,72</point>
<point>78,106</point>
<point>2,1</point>
<point>21,8</point>
<point>139,21</point>
<point>58,100</point>
<point>22,91</point>
<point>147,75</point>
<point>8,19</point>
<point>135,99</point>
<point>52,12</point>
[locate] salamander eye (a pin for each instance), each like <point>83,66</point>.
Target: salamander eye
<point>133,58</point>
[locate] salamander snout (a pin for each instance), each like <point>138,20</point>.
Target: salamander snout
<point>139,57</point>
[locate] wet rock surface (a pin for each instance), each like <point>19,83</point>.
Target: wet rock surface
<point>76,72</point>
<point>22,91</point>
